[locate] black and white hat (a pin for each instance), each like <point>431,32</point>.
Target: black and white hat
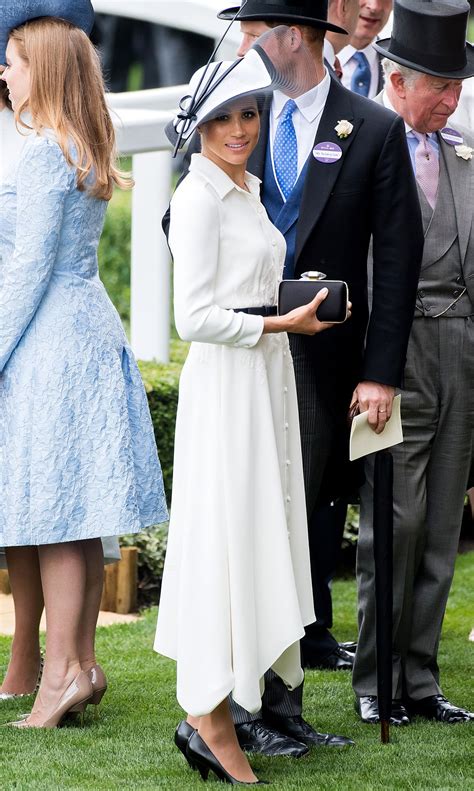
<point>274,62</point>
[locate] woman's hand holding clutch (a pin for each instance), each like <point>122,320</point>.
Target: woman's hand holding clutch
<point>302,320</point>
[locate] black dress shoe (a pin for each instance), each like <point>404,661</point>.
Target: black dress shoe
<point>339,659</point>
<point>368,710</point>
<point>182,734</point>
<point>199,753</point>
<point>350,647</point>
<point>257,737</point>
<point>297,728</point>
<point>436,707</point>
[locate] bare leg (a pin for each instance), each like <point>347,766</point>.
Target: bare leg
<point>470,495</point>
<point>217,730</point>
<point>94,557</point>
<point>25,581</point>
<point>63,575</point>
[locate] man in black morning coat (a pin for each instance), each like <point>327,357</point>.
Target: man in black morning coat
<point>368,193</point>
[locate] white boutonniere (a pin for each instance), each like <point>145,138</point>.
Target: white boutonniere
<point>343,129</point>
<point>465,152</point>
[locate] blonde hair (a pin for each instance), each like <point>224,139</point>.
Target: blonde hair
<point>67,95</point>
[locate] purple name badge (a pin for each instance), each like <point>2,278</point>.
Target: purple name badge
<point>451,137</point>
<point>327,153</point>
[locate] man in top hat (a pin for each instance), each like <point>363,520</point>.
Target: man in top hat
<point>328,211</point>
<point>360,61</point>
<point>426,61</point>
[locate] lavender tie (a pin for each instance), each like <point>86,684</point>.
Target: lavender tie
<point>427,168</point>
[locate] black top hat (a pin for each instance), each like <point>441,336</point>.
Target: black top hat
<point>303,12</point>
<point>430,36</point>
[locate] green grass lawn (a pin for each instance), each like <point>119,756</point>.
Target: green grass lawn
<point>130,745</point>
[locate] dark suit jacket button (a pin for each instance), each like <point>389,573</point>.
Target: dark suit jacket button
<point>427,308</point>
<point>459,279</point>
<point>421,294</point>
<point>455,294</point>
<point>453,307</point>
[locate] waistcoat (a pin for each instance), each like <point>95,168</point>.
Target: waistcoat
<point>441,284</point>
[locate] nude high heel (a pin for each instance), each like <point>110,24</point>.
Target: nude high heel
<point>99,686</point>
<point>73,700</point>
<point>6,696</point>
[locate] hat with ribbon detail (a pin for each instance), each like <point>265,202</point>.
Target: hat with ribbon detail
<point>430,36</point>
<point>302,12</point>
<point>276,61</point>
<point>14,13</point>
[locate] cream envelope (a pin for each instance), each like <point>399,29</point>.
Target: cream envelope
<point>365,441</point>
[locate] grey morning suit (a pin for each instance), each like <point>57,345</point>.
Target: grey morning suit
<point>431,466</point>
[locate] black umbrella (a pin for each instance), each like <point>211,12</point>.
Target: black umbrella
<point>383,559</point>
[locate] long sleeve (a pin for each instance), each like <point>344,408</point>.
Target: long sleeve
<point>43,181</point>
<point>397,254</point>
<point>195,242</point>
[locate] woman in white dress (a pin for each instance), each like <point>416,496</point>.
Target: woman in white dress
<point>236,589</point>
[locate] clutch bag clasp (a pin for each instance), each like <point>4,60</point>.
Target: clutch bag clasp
<point>313,275</point>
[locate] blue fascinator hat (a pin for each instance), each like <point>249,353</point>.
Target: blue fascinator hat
<point>16,12</point>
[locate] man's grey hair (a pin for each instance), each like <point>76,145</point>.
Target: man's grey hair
<point>409,75</point>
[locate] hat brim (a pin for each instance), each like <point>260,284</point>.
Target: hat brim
<point>383,47</point>
<point>229,82</point>
<point>14,13</point>
<point>260,97</point>
<point>323,24</point>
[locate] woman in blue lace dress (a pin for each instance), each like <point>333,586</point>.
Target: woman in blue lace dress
<point>78,459</point>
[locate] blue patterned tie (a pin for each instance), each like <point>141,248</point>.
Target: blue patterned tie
<point>362,76</point>
<point>285,150</point>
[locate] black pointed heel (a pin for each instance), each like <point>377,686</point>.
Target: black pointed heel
<point>182,734</point>
<point>205,761</point>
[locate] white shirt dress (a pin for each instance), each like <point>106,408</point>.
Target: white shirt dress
<point>236,590</point>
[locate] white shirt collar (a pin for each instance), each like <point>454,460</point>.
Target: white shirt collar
<point>329,53</point>
<point>347,52</point>
<point>221,182</point>
<point>310,104</point>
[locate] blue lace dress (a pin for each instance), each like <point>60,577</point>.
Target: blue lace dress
<point>78,458</point>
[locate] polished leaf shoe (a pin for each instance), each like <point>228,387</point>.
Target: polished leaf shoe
<point>182,735</point>
<point>350,646</point>
<point>368,710</point>
<point>257,737</point>
<point>339,659</point>
<point>437,707</point>
<point>300,730</point>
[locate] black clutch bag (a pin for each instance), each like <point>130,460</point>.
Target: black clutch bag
<point>295,293</point>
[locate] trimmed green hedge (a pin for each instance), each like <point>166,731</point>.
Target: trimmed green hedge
<point>161,384</point>
<point>114,254</point>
